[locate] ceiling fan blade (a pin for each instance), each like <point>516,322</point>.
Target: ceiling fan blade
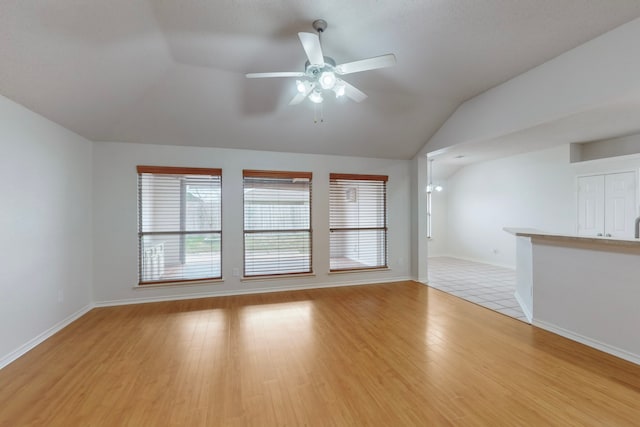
<point>311,45</point>
<point>353,92</point>
<point>298,98</point>
<point>383,61</point>
<point>276,74</point>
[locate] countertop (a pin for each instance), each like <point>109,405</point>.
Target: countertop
<point>569,238</point>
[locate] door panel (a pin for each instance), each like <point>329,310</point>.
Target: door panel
<point>591,205</point>
<point>620,204</point>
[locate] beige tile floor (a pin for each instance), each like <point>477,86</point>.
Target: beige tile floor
<point>483,284</point>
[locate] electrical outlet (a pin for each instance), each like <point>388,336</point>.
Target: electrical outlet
<point>60,295</point>
<point>236,272</point>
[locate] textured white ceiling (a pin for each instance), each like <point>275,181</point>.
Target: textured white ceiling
<point>172,72</point>
<point>615,119</point>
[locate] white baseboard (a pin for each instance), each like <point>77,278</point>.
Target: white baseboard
<point>480,261</point>
<point>618,352</point>
<point>523,306</point>
<point>232,292</point>
<point>15,354</point>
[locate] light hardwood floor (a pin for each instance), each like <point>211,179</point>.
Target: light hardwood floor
<point>398,354</point>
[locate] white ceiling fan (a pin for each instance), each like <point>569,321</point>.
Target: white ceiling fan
<point>321,74</point>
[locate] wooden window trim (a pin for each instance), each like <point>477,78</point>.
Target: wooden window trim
<point>277,275</point>
<point>170,170</point>
<point>359,269</point>
<point>180,281</point>
<point>357,177</point>
<point>249,173</point>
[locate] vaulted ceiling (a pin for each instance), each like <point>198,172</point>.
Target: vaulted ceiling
<point>172,72</point>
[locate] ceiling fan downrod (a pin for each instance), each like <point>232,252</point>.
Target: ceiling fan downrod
<point>319,25</point>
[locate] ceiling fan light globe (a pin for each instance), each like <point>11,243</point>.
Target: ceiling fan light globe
<point>316,97</point>
<point>302,88</point>
<point>339,89</point>
<point>327,80</point>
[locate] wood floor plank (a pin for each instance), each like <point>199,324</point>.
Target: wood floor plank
<point>389,355</point>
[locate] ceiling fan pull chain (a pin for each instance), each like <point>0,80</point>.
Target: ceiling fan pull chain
<point>315,113</point>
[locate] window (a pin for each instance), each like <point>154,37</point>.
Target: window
<point>179,224</point>
<point>358,222</point>
<point>277,223</point>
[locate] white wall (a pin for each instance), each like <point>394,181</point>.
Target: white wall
<point>623,146</point>
<point>418,203</point>
<point>533,190</point>
<point>438,244</point>
<point>115,221</point>
<point>604,166</point>
<point>524,275</point>
<point>589,293</point>
<point>45,224</point>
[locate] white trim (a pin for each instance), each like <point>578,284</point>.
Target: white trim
<point>179,284</point>
<point>276,276</point>
<point>609,172</point>
<point>29,345</point>
<point>232,292</point>
<point>480,261</point>
<point>618,352</point>
<point>359,270</point>
<point>524,307</point>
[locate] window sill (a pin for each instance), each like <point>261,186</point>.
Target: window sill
<point>180,284</point>
<point>360,270</point>
<point>276,276</point>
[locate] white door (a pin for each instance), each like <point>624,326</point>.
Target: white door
<point>620,204</point>
<point>591,205</point>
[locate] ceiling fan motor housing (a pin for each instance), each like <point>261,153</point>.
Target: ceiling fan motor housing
<point>314,70</point>
<point>320,25</point>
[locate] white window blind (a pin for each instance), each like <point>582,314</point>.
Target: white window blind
<point>179,224</point>
<point>358,222</point>
<point>277,223</point>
